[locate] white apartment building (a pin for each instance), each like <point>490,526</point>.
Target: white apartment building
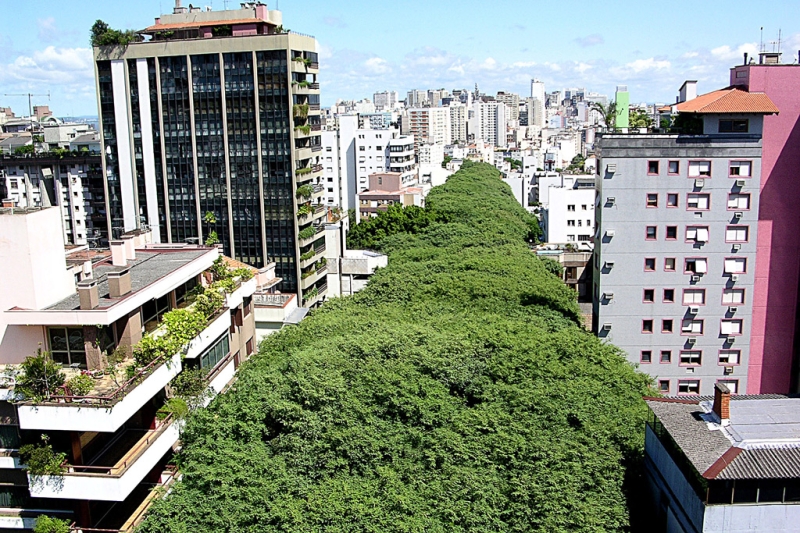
<point>386,100</point>
<point>537,104</point>
<point>511,101</point>
<point>416,98</point>
<point>458,123</point>
<point>429,125</point>
<point>569,217</point>
<point>431,154</point>
<point>489,123</point>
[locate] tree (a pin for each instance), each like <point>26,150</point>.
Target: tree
<point>640,119</point>
<point>28,149</point>
<point>457,392</point>
<point>103,35</point>
<point>40,378</point>
<point>210,219</point>
<point>608,113</point>
<point>48,524</point>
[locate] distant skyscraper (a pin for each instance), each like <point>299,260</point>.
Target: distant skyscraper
<point>538,94</point>
<point>386,100</point>
<point>511,101</point>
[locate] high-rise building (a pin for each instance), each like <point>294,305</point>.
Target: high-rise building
<point>536,109</point>
<point>429,125</point>
<point>511,101</point>
<point>490,123</point>
<point>675,252</point>
<point>386,100</point>
<point>458,123</point>
<point>211,128</point>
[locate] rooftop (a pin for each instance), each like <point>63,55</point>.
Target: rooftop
<point>762,440</point>
<point>732,100</point>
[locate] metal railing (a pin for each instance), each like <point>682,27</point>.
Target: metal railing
<point>271,300</point>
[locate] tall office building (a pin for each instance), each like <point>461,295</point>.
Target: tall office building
<point>536,108</point>
<point>675,254</point>
<point>512,104</point>
<point>489,123</point>
<point>218,112</point>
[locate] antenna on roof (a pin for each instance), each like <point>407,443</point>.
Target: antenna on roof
<point>761,43</point>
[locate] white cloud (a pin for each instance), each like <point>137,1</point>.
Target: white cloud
<point>726,53</point>
<point>651,63</point>
<point>57,66</point>
<point>583,67</point>
<point>689,55</point>
<point>377,65</point>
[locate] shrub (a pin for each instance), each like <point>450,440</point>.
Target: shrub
<point>41,376</point>
<point>307,233</point>
<point>47,524</point>
<point>41,460</point>
<point>246,274</point>
<point>80,385</point>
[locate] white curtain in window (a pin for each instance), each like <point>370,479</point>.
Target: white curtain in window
<point>735,265</point>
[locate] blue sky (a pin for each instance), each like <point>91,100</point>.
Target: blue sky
<point>365,46</point>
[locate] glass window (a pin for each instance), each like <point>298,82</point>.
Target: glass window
<point>688,386</point>
<point>693,357</point>
<point>694,297</point>
<point>732,296</point>
<point>698,201</point>
<point>652,200</point>
<point>731,327</point>
<point>646,356</point>
<point>649,295</point>
<point>669,264</point>
<point>216,353</point>
<point>672,199</point>
<point>734,126</point>
<point>692,326</point>
<point>652,167</point>
<point>740,169</point>
<point>669,296</point>
<point>666,356</point>
<point>699,169</point>
<point>674,167</point>
<point>738,201</point>
<point>67,346</point>
<point>736,265</point>
<point>651,233</point>
<point>729,357</point>
<point>736,234</point>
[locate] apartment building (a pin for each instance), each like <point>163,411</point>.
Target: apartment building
<point>511,100</point>
<point>429,125</point>
<point>73,183</point>
<point>536,104</point>
<point>387,189</point>
<point>675,249</point>
<point>216,112</point>
<point>723,464</point>
<point>458,123</point>
<point>569,215</point>
<point>489,123</point>
<point>386,100</point>
<point>112,329</point>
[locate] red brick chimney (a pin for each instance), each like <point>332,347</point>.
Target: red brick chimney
<point>7,202</point>
<point>722,403</point>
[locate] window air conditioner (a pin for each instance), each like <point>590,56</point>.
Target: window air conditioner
<point>607,326</point>
<point>737,247</point>
<point>728,370</point>
<point>691,340</point>
<point>734,277</point>
<point>731,340</point>
<point>699,183</point>
<point>738,214</point>
<point>608,296</point>
<point>609,264</point>
<point>695,278</point>
<point>611,168</point>
<point>610,233</point>
<point>611,200</point>
<point>732,309</point>
<point>694,310</point>
<point>740,183</point>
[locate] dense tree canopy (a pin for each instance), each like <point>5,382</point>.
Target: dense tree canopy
<point>456,393</point>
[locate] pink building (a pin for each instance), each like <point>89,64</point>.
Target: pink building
<point>774,330</point>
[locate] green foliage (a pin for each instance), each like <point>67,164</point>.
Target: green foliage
<point>608,113</point>
<point>80,385</point>
<point>447,159</point>
<point>552,266</point>
<point>396,219</point>
<point>576,165</point>
<point>305,129</point>
<point>41,376</point>
<point>688,124</point>
<point>304,210</point>
<point>242,272</point>
<point>455,393</point>
<point>210,218</point>
<point>303,171</point>
<point>305,191</point>
<point>177,407</point>
<point>28,149</point>
<point>212,238</point>
<point>300,110</point>
<point>41,460</point>
<point>209,302</point>
<point>515,163</point>
<point>640,119</point>
<point>103,35</point>
<point>307,233</point>
<point>47,524</point>
<point>183,325</point>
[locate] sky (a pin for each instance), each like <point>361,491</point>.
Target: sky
<point>651,47</point>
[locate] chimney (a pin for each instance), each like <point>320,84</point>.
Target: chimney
<point>118,255</point>
<point>119,283</point>
<point>87,292</point>
<point>8,202</point>
<point>130,247</point>
<point>722,403</point>
<point>745,58</point>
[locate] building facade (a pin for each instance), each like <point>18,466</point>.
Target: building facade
<point>211,128</point>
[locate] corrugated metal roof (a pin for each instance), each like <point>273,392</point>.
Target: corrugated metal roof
<point>730,101</point>
<point>774,462</point>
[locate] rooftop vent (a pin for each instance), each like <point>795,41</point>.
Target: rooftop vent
<point>722,403</point>
<point>119,283</point>
<point>87,292</point>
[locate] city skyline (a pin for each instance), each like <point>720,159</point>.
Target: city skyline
<point>47,50</point>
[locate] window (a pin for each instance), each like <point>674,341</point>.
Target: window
<point>730,357</point>
<point>67,346</point>
<point>736,234</point>
<point>250,345</point>
<point>740,169</point>
<point>666,325</point>
<point>570,222</point>
<point>216,353</point>
<point>153,311</point>
<point>571,238</point>
<point>666,356</point>
<point>583,207</point>
<point>663,386</point>
<point>669,264</point>
<point>698,234</point>
<point>646,356</point>
<point>647,325</point>
<point>652,233</point>
<point>649,296</point>
<point>731,327</point>
<point>183,291</point>
<point>669,296</point>
<point>738,201</point>
<point>699,169</point>
<point>674,167</point>
<point>698,202</point>
<point>733,386</point>
<point>694,296</point>
<point>650,264</point>
<point>672,199</point>
<point>732,296</point>
<point>570,208</point>
<point>696,266</point>
<point>688,386</point>
<point>672,233</point>
<point>652,200</point>
<point>692,326</point>
<point>652,167</point>
<point>584,238</point>
<point>247,305</point>
<point>734,126</point>
<point>736,265</point>
<point>692,357</point>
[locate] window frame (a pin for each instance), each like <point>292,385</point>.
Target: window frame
<point>661,388</point>
<point>694,272</point>
<point>666,233</point>
<point>733,122</point>
<point>695,290</point>
<point>647,231</point>
<point>749,201</point>
<point>647,200</point>
<point>674,264</point>
<point>693,333</point>
<point>725,270</point>
<point>699,176</point>
<point>677,172</point>
<point>642,360</point>
<point>665,322</point>
<point>738,357</point>
<point>664,296</point>
<point>657,164</point>
<point>731,290</point>
<point>736,163</point>
<point>677,200</point>
<point>698,194</point>
<point>668,360</point>
<point>737,381</point>
<point>690,364</point>
<point>697,229</point>
<point>738,227</point>
<point>687,381</point>
<point>731,321</point>
<point>644,296</point>
<point>646,259</point>
<point>652,326</point>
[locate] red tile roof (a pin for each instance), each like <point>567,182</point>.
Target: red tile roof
<point>732,100</point>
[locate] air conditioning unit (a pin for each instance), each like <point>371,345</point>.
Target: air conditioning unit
<point>740,183</point>
<point>695,278</point>
<point>699,183</point>
<point>692,340</point>
<point>610,233</point>
<point>731,340</point>
<point>611,168</point>
<point>734,277</point>
<point>607,326</point>
<point>732,309</point>
<point>728,370</point>
<point>737,247</point>
<point>611,200</point>
<point>608,296</point>
<point>738,215</point>
<point>694,310</point>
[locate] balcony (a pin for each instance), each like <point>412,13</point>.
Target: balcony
<point>311,256</point>
<point>106,413</point>
<point>111,477</point>
<point>308,240</point>
<point>243,289</point>
<point>313,277</point>
<point>317,212</point>
<point>302,153</point>
<point>322,291</point>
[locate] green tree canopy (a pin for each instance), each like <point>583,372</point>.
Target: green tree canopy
<point>456,393</point>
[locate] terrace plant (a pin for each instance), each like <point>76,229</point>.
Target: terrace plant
<point>41,376</point>
<point>41,459</point>
<point>307,233</point>
<point>48,524</point>
<point>79,385</point>
<point>305,191</point>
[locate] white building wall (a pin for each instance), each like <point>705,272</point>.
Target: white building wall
<point>570,216</point>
